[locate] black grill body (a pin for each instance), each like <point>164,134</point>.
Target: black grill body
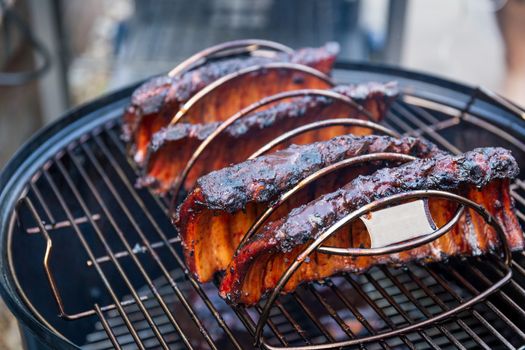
<point>73,181</point>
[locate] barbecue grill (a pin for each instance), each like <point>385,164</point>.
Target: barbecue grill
<point>90,261</point>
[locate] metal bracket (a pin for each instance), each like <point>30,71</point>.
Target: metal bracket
<point>400,223</point>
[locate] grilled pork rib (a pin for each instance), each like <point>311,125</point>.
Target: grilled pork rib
<point>172,146</point>
<point>481,175</point>
<point>218,212</point>
<point>155,103</point>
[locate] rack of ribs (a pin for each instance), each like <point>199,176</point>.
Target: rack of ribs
<point>482,175</point>
<point>225,203</point>
<point>154,104</point>
<point>172,146</point>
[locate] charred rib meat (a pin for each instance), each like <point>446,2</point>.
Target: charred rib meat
<point>154,104</point>
<point>482,175</point>
<point>172,146</point>
<point>218,212</point>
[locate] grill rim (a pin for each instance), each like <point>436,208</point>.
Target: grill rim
<point>39,148</point>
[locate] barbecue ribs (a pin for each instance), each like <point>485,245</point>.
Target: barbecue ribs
<point>218,212</point>
<point>154,104</point>
<point>172,146</point>
<point>481,175</point>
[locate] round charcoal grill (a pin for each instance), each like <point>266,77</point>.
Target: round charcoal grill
<point>70,215</point>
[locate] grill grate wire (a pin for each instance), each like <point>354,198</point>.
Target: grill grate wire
<point>92,182</point>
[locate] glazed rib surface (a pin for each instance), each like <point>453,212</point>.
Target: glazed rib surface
<point>155,103</point>
<point>172,146</point>
<point>481,175</point>
<point>218,212</point>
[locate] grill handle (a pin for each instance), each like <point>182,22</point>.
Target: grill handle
<point>49,247</point>
<point>62,313</point>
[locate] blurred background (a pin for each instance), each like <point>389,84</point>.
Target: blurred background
<point>57,54</point>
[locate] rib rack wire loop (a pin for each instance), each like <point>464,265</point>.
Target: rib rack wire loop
<point>229,48</point>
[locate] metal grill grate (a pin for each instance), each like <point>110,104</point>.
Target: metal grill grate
<point>84,199</point>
